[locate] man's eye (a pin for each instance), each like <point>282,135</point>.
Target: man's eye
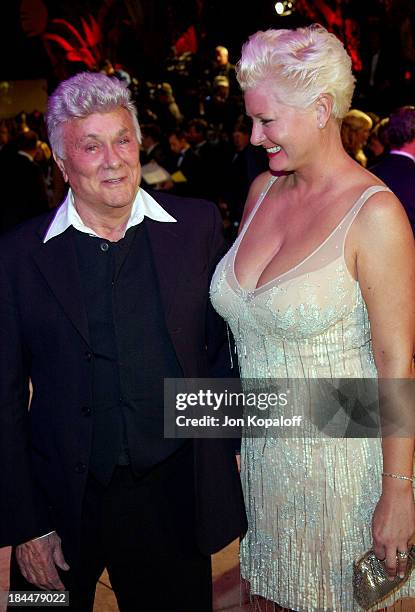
<point>265,121</point>
<point>124,140</point>
<point>92,147</point>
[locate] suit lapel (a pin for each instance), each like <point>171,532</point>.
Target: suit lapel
<point>167,251</point>
<point>57,261</point>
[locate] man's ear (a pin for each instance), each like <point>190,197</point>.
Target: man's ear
<point>61,165</point>
<point>324,107</point>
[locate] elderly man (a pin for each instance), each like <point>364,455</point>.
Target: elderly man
<point>100,302</point>
<point>397,169</point>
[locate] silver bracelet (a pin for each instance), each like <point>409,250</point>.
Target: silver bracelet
<point>398,476</point>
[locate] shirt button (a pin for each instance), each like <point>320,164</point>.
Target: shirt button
<point>104,246</point>
<point>88,355</point>
<point>86,411</point>
<point>80,468</point>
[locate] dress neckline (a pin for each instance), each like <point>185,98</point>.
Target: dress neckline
<point>258,289</point>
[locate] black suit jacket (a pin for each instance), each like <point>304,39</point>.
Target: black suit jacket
<point>44,453</point>
<point>191,168</point>
<point>398,173</point>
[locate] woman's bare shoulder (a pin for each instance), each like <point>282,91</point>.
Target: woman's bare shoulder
<point>380,208</point>
<point>382,219</point>
<point>377,204</point>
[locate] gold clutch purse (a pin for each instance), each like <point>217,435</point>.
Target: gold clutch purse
<point>370,582</point>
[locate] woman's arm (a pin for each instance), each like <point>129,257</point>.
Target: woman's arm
<point>385,265</point>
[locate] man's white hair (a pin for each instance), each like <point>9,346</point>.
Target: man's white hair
<point>82,95</point>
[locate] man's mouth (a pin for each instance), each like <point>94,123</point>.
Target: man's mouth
<point>114,181</point>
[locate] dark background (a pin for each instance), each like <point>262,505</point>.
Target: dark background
<point>139,33</point>
<point>140,36</point>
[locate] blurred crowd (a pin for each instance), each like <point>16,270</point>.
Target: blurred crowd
<point>386,147</point>
<point>195,142</point>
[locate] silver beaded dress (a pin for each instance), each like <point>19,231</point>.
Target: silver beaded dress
<point>309,500</point>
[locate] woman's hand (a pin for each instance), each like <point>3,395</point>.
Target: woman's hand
<point>393,525</point>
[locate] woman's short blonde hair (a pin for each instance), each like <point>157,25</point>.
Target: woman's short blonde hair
<point>300,65</point>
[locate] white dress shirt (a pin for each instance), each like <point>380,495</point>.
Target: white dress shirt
<point>403,153</point>
<point>144,205</point>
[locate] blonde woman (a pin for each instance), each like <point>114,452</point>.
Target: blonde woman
<point>319,284</point>
<point>355,132</point>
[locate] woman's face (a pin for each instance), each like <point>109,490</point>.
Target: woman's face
<point>285,132</point>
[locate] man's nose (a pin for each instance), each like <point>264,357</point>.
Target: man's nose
<point>111,157</point>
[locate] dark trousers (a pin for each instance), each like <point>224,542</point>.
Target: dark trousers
<point>143,531</point>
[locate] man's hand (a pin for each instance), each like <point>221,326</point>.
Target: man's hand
<point>38,559</point>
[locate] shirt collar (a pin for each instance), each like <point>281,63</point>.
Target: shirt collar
<point>144,205</point>
<point>404,153</point>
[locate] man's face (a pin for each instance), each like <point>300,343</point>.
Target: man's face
<point>222,92</point>
<point>221,57</point>
<point>147,141</point>
<point>176,144</point>
<point>102,160</point>
<point>240,140</point>
<point>193,136</point>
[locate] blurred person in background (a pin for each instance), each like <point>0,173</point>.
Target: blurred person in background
<point>212,158</point>
<point>152,149</point>
<point>222,67</point>
<point>221,109</point>
<point>4,135</point>
<point>165,108</point>
<point>186,169</point>
<point>23,192</point>
<point>397,168</point>
<point>246,163</point>
<point>377,147</point>
<point>355,130</point>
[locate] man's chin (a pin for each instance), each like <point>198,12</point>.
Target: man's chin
<point>119,196</point>
<point>119,200</point>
